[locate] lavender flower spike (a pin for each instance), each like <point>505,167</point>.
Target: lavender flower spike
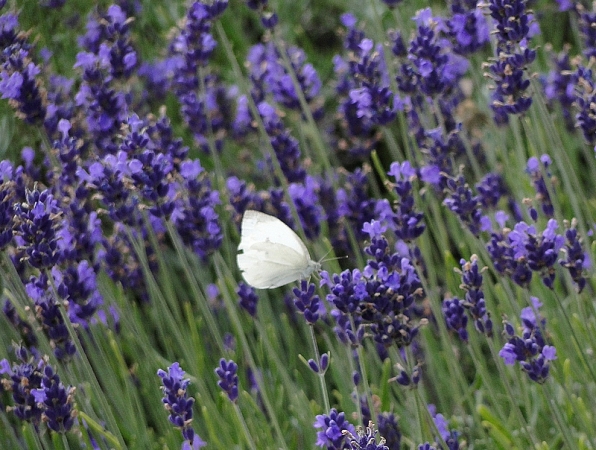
<point>178,404</point>
<point>228,378</point>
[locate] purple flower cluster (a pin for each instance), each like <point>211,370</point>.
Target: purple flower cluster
<point>467,26</point>
<point>535,170</point>
<point>228,379</point>
<point>37,223</point>
<point>450,437</point>
<point>471,282</point>
<point>530,348</point>
<point>363,86</point>
<point>366,439</point>
<point>47,312</point>
<point>38,395</point>
<point>270,76</point>
<point>406,222</point>
<point>467,206</point>
<point>19,81</point>
<point>507,70</point>
<point>333,427</point>
<point>178,404</point>
<point>577,259</point>
<point>307,302</point>
<point>455,317</point>
<point>381,297</point>
<point>247,298</point>
<point>522,250</point>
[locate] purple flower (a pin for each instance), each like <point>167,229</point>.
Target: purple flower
<point>307,302</point>
<point>380,298</point>
<point>512,28</point>
<point>577,259</point>
<point>455,317</point>
<point>366,439</point>
<point>389,429</point>
<point>248,298</point>
<point>37,225</point>
<point>560,86</point>
<point>285,146</point>
<point>587,23</point>
<point>467,26</point>
<point>534,169</point>
<point>77,283</point>
<point>471,277</point>
<point>18,73</point>
<point>406,222</point>
<point>449,436</point>
<point>464,203</point>
<point>228,379</point>
<point>57,401</point>
<point>530,349</point>
<point>332,430</point>
<point>178,404</point>
<point>47,312</point>
<point>25,378</point>
<point>195,216</point>
<point>408,379</point>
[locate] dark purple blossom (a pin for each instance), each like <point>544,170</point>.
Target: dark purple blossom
<point>109,39</point>
<point>577,259</point>
<point>37,224</point>
<point>455,317</point>
<point>405,221</point>
<point>228,378</point>
<point>432,67</point>
<point>178,404</point>
<point>585,103</point>
<point>24,378</point>
<point>47,312</point>
<point>538,172</point>
<point>389,429</point>
<point>195,216</point>
<point>355,203</point>
<point>587,27</point>
<point>321,366</point>
<point>285,146</point>
<point>467,26</point>
<point>450,437</point>
<point>7,196</point>
<point>57,401</point>
<point>530,348</point>
<point>18,72</point>
<point>269,75</point>
<point>467,206</point>
<point>366,439</point>
<point>332,428</point>
<point>381,297</point>
<point>408,378</point>
<point>306,200</point>
<point>471,277</point>
<point>77,284</point>
<point>560,86</point>
<point>507,70</point>
<point>248,298</point>
<point>490,190</point>
<point>307,302</point>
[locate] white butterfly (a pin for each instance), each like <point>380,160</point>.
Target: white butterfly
<point>272,254</point>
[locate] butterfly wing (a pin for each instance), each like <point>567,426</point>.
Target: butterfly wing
<point>272,254</point>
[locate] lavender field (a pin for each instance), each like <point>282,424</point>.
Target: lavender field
<point>438,162</point>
